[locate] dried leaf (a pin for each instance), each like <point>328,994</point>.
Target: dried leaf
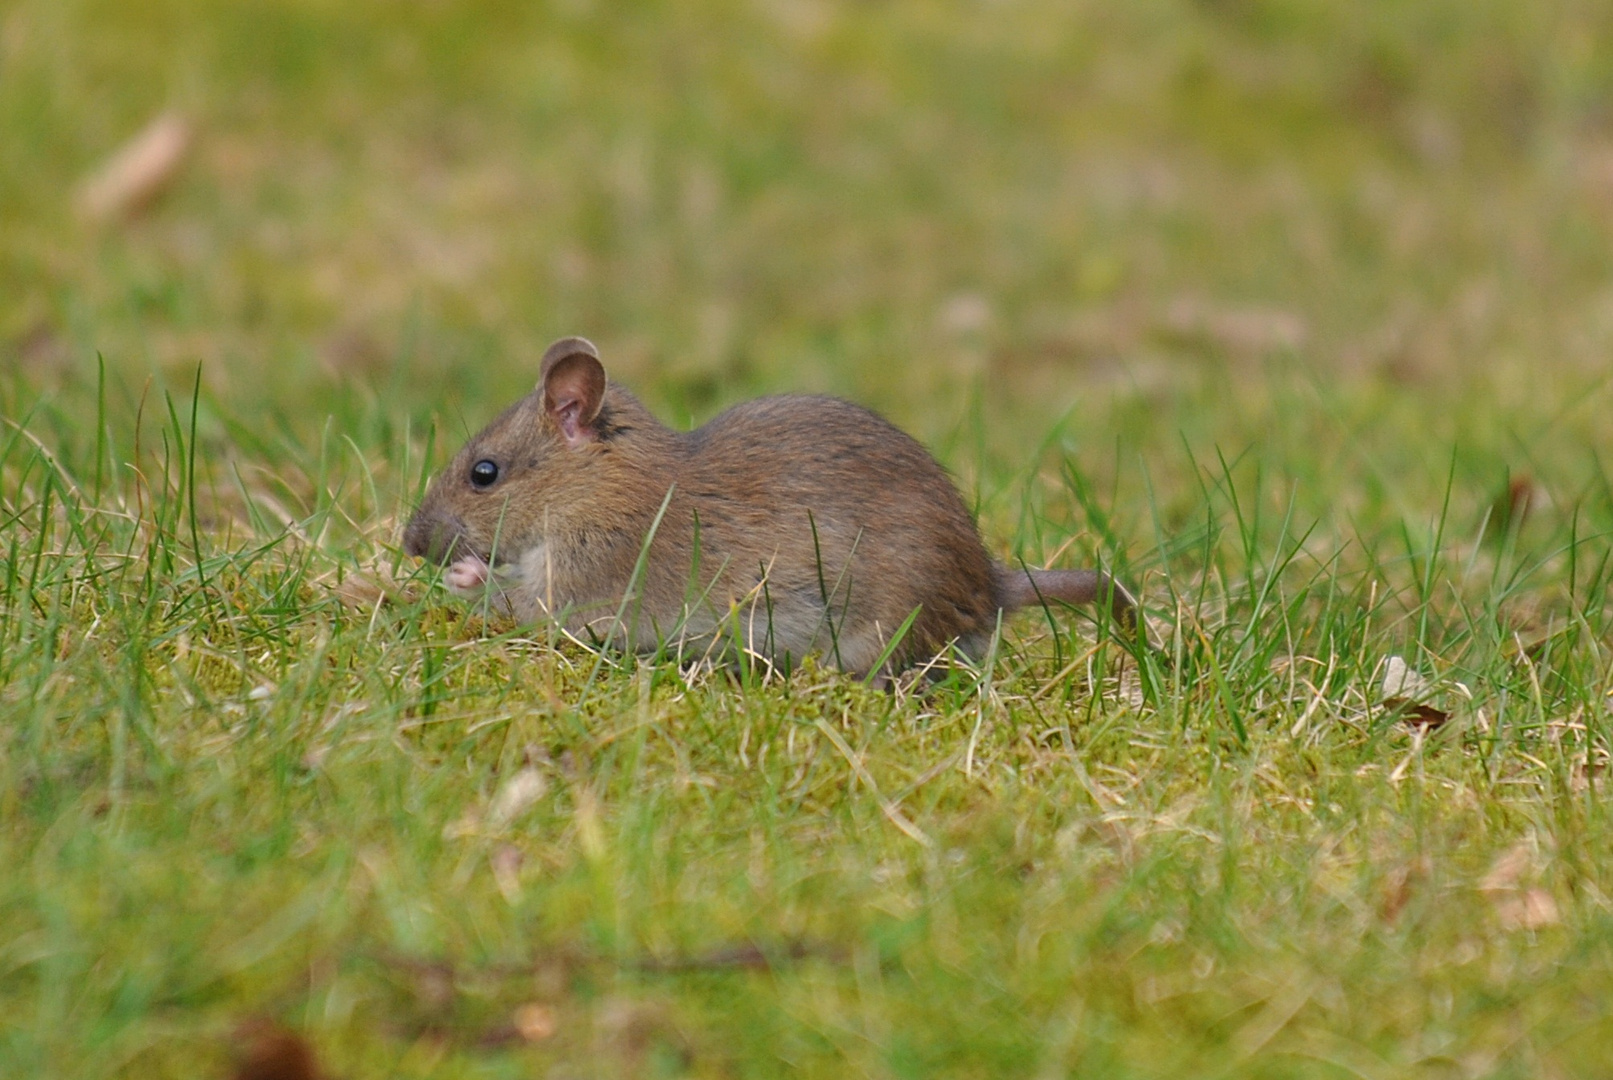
<point>141,169</point>
<point>1518,907</point>
<point>267,1051</point>
<point>1532,909</point>
<point>964,314</point>
<point>1509,869</point>
<point>1401,681</point>
<point>1402,687</point>
<point>519,792</point>
<point>1416,713</point>
<point>1399,887</point>
<point>536,1022</point>
<point>506,861</point>
<point>354,350</point>
<point>1242,330</point>
<point>1590,771</point>
<point>1513,504</point>
<point>433,986</point>
<point>41,348</point>
<point>627,1029</point>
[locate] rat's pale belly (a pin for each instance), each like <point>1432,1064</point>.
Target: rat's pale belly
<point>766,623</point>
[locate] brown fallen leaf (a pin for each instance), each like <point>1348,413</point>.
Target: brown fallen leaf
<point>1399,886</point>
<point>141,169</point>
<point>1243,330</point>
<point>1519,906</point>
<point>627,1030</point>
<point>535,1021</point>
<point>1415,713</point>
<point>506,862</point>
<point>354,351</point>
<point>40,348</point>
<point>1532,909</point>
<point>1589,772</point>
<point>516,794</point>
<point>267,1051</point>
<point>1508,870</point>
<point>1401,689</point>
<point>1512,506</point>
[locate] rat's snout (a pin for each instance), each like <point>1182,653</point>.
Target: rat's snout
<point>434,537</point>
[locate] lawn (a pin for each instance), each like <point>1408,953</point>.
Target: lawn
<point>1298,314</point>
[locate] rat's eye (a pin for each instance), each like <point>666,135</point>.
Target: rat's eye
<point>483,473</point>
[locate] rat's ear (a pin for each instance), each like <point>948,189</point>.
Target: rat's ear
<point>573,386</point>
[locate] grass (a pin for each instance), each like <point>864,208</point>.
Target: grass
<point>1283,309</point>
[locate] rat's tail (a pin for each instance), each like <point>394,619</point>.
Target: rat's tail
<point>1020,588</point>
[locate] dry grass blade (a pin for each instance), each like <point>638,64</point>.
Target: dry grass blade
<point>888,808</point>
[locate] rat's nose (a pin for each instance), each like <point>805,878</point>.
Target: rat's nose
<point>429,536</point>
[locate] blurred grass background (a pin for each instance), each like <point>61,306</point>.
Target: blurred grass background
<point>1063,203</point>
<point>1269,302</point>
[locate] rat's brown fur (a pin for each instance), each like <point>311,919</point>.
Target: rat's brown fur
<point>795,524</point>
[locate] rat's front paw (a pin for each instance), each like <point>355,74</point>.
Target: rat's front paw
<point>467,575</point>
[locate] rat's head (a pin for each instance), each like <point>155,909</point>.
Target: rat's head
<point>525,473</point>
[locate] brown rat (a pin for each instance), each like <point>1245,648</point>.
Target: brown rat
<point>791,524</point>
